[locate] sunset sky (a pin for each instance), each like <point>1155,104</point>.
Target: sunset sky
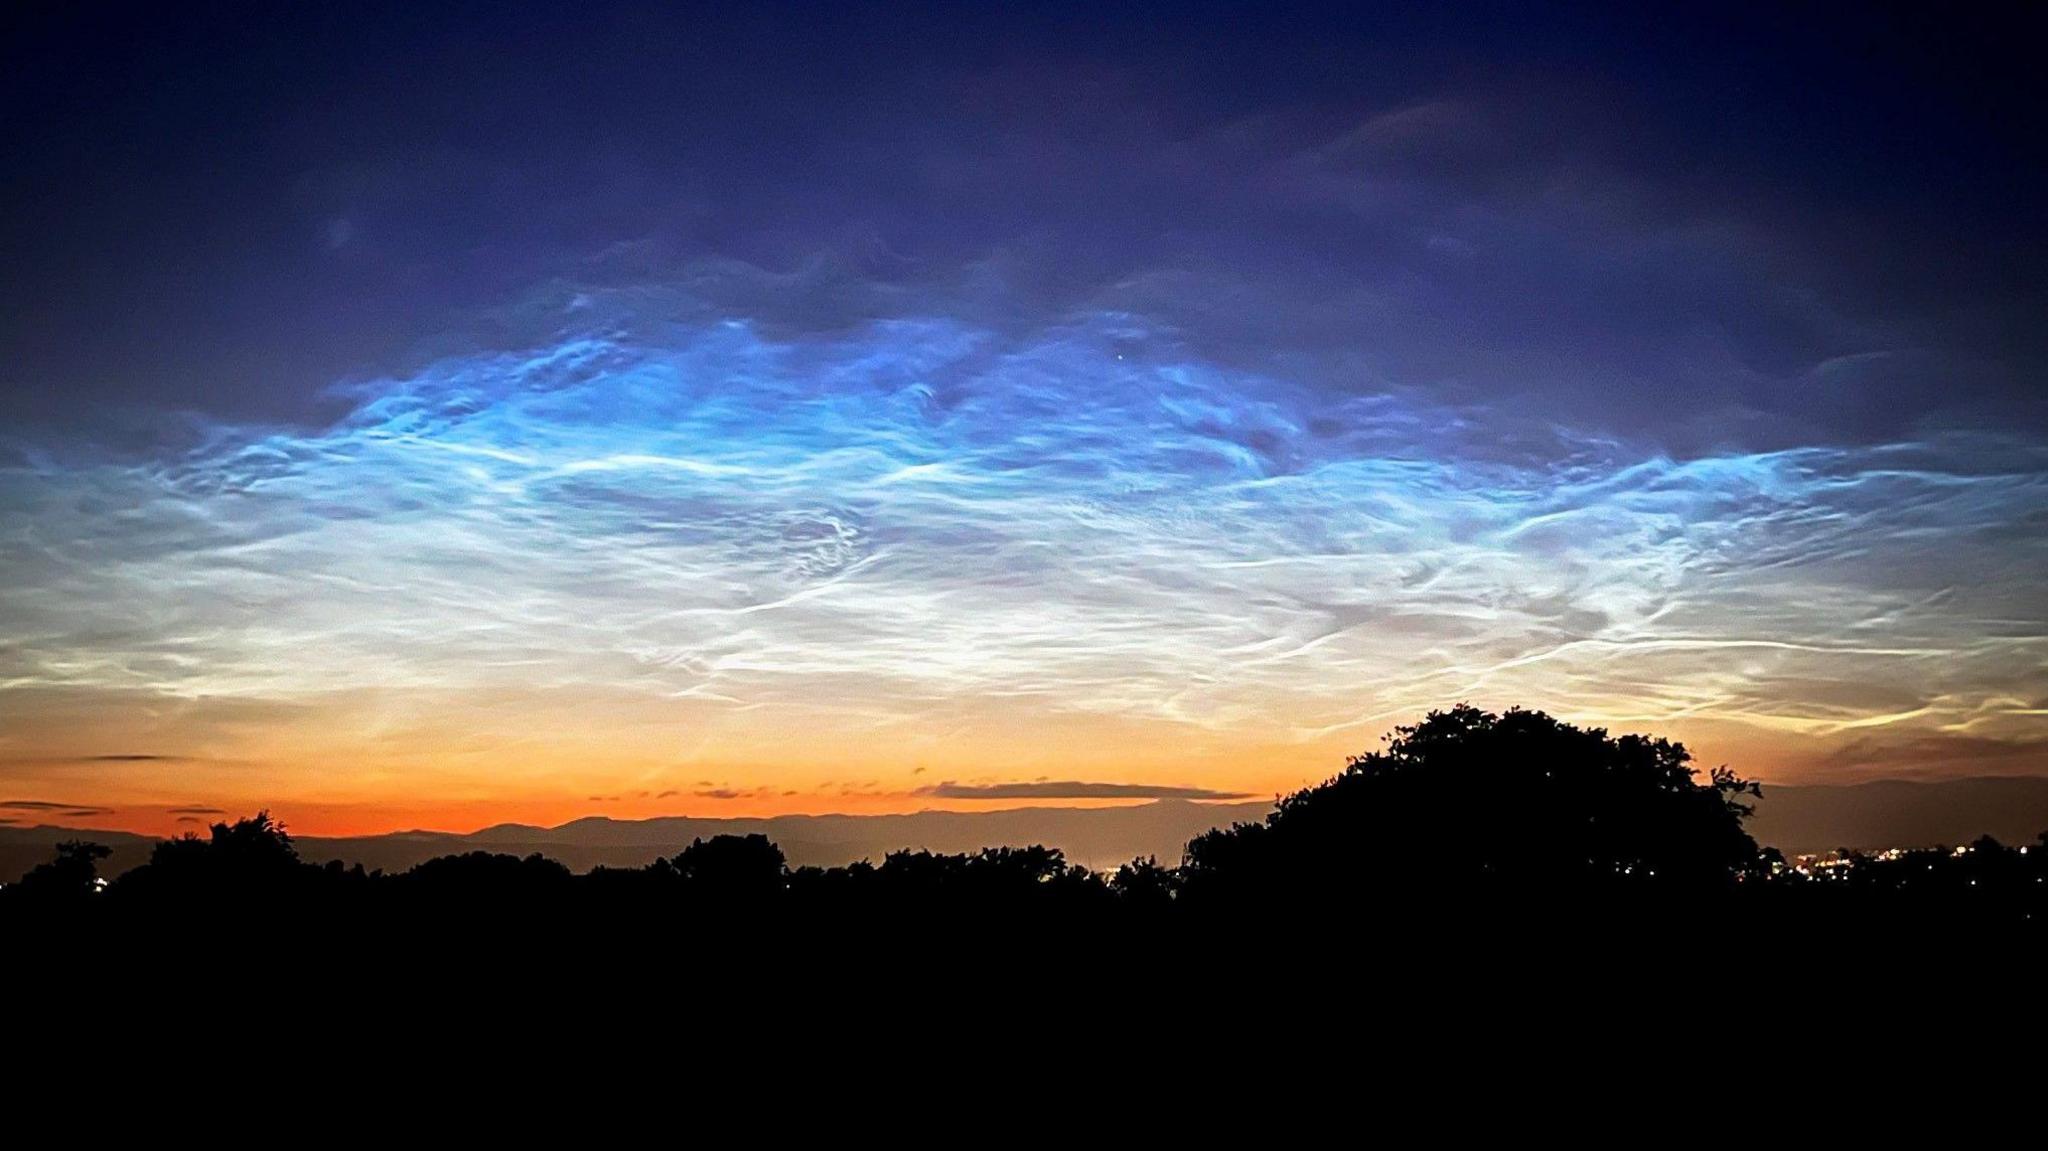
<point>431,415</point>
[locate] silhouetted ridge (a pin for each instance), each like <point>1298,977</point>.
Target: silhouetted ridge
<point>1469,819</point>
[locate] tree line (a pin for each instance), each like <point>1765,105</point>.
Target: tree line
<point>1468,816</point>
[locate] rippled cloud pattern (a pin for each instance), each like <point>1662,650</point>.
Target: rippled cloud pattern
<point>921,517</point>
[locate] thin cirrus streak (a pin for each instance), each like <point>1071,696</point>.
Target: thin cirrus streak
<point>927,537</point>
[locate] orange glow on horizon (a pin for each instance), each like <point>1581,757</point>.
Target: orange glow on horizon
<point>450,794</point>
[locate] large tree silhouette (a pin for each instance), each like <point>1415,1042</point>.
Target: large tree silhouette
<point>249,857</point>
<point>1469,801</point>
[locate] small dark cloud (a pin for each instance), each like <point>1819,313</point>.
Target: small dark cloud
<point>195,811</point>
<point>718,793</point>
<point>131,757</point>
<point>190,819</point>
<point>1072,789</point>
<point>37,805</point>
<point>671,793</point>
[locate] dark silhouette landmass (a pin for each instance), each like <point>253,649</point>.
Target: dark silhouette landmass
<point>1467,821</point>
<point>1795,819</point>
<point>1095,837</point>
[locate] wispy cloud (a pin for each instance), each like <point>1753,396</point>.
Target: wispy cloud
<point>1072,789</point>
<point>39,806</point>
<point>1068,394</point>
<point>925,515</point>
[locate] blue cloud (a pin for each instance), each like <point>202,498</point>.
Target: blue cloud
<point>1089,517</point>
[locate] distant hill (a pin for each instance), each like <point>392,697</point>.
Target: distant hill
<point>1096,837</point>
<point>23,847</point>
<point>1898,813</point>
<point>1794,819</point>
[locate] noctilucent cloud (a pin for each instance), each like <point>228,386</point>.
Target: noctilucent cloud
<point>611,412</point>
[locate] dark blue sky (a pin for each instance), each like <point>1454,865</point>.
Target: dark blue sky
<point>1669,221</point>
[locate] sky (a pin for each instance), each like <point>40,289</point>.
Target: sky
<point>434,415</point>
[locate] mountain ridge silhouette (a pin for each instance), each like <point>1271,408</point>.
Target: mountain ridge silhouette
<point>1794,818</point>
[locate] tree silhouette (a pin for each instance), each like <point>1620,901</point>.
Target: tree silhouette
<point>1146,883</point>
<point>482,880</point>
<point>1469,814</point>
<point>731,866</point>
<point>72,875</point>
<point>249,856</point>
<point>256,843</point>
<point>1470,802</point>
